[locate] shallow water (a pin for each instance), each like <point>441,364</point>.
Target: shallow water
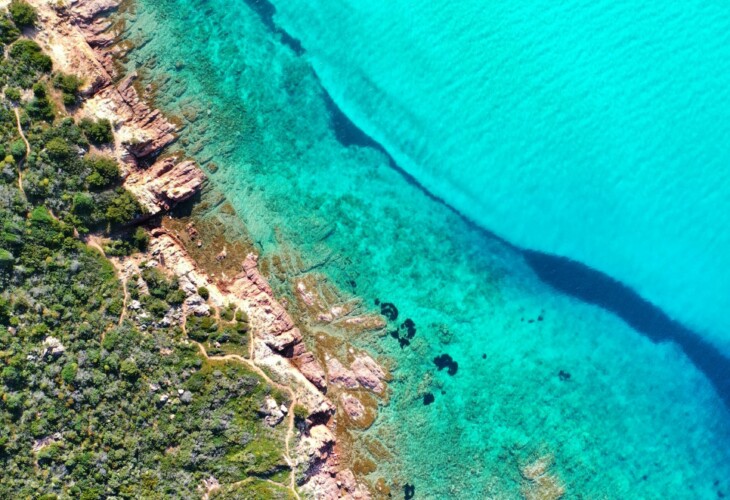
<point>635,419</point>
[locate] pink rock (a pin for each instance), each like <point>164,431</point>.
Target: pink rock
<point>308,365</point>
<point>85,11</point>
<point>165,184</point>
<point>157,131</point>
<point>368,373</point>
<point>352,406</point>
<point>340,375</point>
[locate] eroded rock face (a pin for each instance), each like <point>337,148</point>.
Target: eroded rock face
<point>152,130</point>
<point>277,328</point>
<point>368,373</point>
<point>165,183</point>
<point>305,361</point>
<point>86,11</point>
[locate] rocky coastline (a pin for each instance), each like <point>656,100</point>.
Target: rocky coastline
<point>335,391</point>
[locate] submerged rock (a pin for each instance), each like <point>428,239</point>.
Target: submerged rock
<point>445,361</point>
<point>389,311</point>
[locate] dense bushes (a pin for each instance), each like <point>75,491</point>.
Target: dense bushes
<point>97,401</point>
<point>69,86</point>
<point>29,53</point>
<point>23,13</point>
<point>104,171</point>
<point>8,32</point>
<point>98,132</point>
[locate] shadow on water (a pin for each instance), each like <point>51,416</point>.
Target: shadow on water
<point>565,275</point>
<point>594,287</point>
<point>266,11</point>
<point>346,132</point>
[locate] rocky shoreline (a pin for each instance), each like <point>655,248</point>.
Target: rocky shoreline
<point>81,39</point>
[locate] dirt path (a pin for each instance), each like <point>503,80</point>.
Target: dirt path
<point>123,279</point>
<point>290,414</point>
<point>27,152</point>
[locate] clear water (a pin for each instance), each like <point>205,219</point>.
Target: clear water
<point>635,420</point>
<point>596,130</point>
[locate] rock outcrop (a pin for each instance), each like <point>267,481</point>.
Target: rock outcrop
<point>340,375</point>
<point>277,328</point>
<point>165,184</point>
<point>352,406</point>
<point>368,373</point>
<point>152,131</point>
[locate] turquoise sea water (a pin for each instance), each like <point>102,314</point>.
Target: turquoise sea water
<point>636,419</point>
<point>596,130</point>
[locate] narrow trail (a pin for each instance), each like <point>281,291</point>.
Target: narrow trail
<point>123,279</point>
<point>27,152</point>
<point>290,414</point>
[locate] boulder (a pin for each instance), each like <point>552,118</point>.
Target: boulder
<point>368,373</point>
<point>339,375</point>
<point>271,411</point>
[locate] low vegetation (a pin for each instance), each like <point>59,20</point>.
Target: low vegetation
<point>94,402</point>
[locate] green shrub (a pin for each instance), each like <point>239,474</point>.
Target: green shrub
<point>41,108</point>
<point>23,13</point>
<point>97,132</point>
<point>8,31</point>
<point>59,150</point>
<point>227,312</point>
<point>6,259</point>
<point>17,149</point>
<point>175,297</point>
<point>203,292</point>
<point>39,90</point>
<point>12,376</point>
<point>157,283</point>
<point>104,171</point>
<point>13,94</point>
<point>69,86</point>
<point>115,307</point>
<point>141,239</point>
<point>68,373</point>
<point>157,307</point>
<point>129,369</point>
<point>199,328</point>
<point>83,203</point>
<point>29,53</point>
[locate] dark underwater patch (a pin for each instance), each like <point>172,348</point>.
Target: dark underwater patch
<point>266,11</point>
<point>389,310</point>
<point>408,328</point>
<point>409,491</point>
<point>594,287</point>
<point>445,361</point>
